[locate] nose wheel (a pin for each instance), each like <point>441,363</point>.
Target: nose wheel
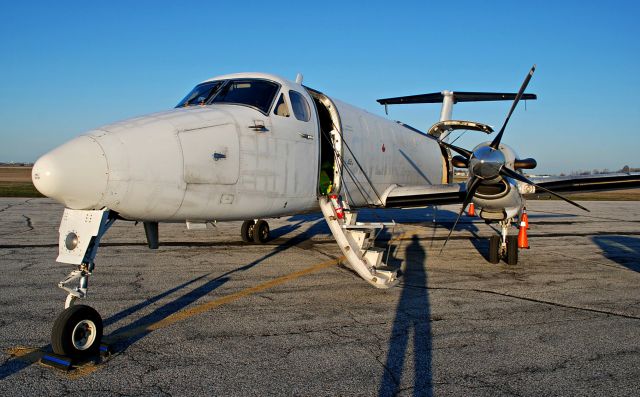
<point>255,232</point>
<point>494,249</point>
<point>503,247</point>
<point>77,332</point>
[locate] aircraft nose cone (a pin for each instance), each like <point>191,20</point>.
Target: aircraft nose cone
<point>75,174</point>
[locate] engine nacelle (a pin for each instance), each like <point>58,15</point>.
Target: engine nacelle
<point>498,198</point>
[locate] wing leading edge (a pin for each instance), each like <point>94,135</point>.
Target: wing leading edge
<point>421,196</point>
<point>590,183</point>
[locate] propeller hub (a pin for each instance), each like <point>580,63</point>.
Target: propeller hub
<point>486,162</point>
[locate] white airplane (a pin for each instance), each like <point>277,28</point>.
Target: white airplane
<point>251,146</point>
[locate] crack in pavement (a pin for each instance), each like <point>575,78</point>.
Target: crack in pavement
<point>28,220</point>
<point>7,207</point>
<point>15,205</point>
<point>28,266</point>
<point>524,298</point>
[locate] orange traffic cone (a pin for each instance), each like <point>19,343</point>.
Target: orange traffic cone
<point>525,218</point>
<point>523,241</point>
<point>471,211</point>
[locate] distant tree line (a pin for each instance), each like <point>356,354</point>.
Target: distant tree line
<point>4,164</point>
<point>596,171</point>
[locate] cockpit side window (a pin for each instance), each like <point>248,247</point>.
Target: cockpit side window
<point>300,106</point>
<point>200,94</point>
<point>251,92</point>
<point>281,108</point>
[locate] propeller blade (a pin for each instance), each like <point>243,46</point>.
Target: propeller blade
<point>515,175</point>
<point>498,138</point>
<point>466,153</point>
<point>473,186</point>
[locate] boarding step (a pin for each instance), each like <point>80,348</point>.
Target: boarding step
<point>386,272</point>
<point>367,225</point>
<point>373,256</point>
<point>356,241</point>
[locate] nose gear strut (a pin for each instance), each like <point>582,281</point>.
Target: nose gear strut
<point>80,234</point>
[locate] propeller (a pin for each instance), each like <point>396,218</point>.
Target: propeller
<point>488,162</point>
<point>525,83</point>
<point>516,175</point>
<point>472,186</point>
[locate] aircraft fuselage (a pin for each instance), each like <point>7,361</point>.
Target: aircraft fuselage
<point>232,161</point>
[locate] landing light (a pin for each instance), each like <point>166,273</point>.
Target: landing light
<point>71,241</point>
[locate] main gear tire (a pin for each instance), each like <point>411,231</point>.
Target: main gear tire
<point>261,232</point>
<point>246,231</point>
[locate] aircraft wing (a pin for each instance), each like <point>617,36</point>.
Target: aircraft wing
<point>419,196</point>
<point>397,196</point>
<point>589,183</point>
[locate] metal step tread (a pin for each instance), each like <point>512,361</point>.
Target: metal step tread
<point>367,225</point>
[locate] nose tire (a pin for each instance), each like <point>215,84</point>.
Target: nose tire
<point>77,332</point>
<point>512,250</point>
<point>494,249</point>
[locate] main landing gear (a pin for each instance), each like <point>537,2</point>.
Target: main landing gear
<point>255,231</point>
<point>504,246</point>
<point>77,332</point>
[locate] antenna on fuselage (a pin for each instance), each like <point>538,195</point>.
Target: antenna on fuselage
<point>299,78</point>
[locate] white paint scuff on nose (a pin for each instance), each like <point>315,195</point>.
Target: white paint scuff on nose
<point>75,174</point>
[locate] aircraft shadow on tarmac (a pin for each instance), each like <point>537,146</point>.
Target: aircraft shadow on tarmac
<point>413,311</point>
<point>623,250</point>
<point>444,219</point>
<point>319,227</point>
<point>127,335</point>
<point>434,219</point>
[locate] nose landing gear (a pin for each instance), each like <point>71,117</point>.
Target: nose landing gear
<point>77,332</point>
<point>255,231</point>
<point>504,246</point>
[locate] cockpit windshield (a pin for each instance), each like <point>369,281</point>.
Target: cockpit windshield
<point>256,93</point>
<point>201,94</point>
<point>251,92</point>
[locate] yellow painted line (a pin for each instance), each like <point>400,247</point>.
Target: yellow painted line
<point>32,355</point>
<point>204,307</point>
<point>26,354</point>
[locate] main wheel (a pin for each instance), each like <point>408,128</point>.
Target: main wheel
<point>77,332</point>
<point>494,249</point>
<point>246,231</point>
<point>261,232</point>
<point>512,250</point>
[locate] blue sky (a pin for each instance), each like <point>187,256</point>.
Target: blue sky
<point>67,67</point>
